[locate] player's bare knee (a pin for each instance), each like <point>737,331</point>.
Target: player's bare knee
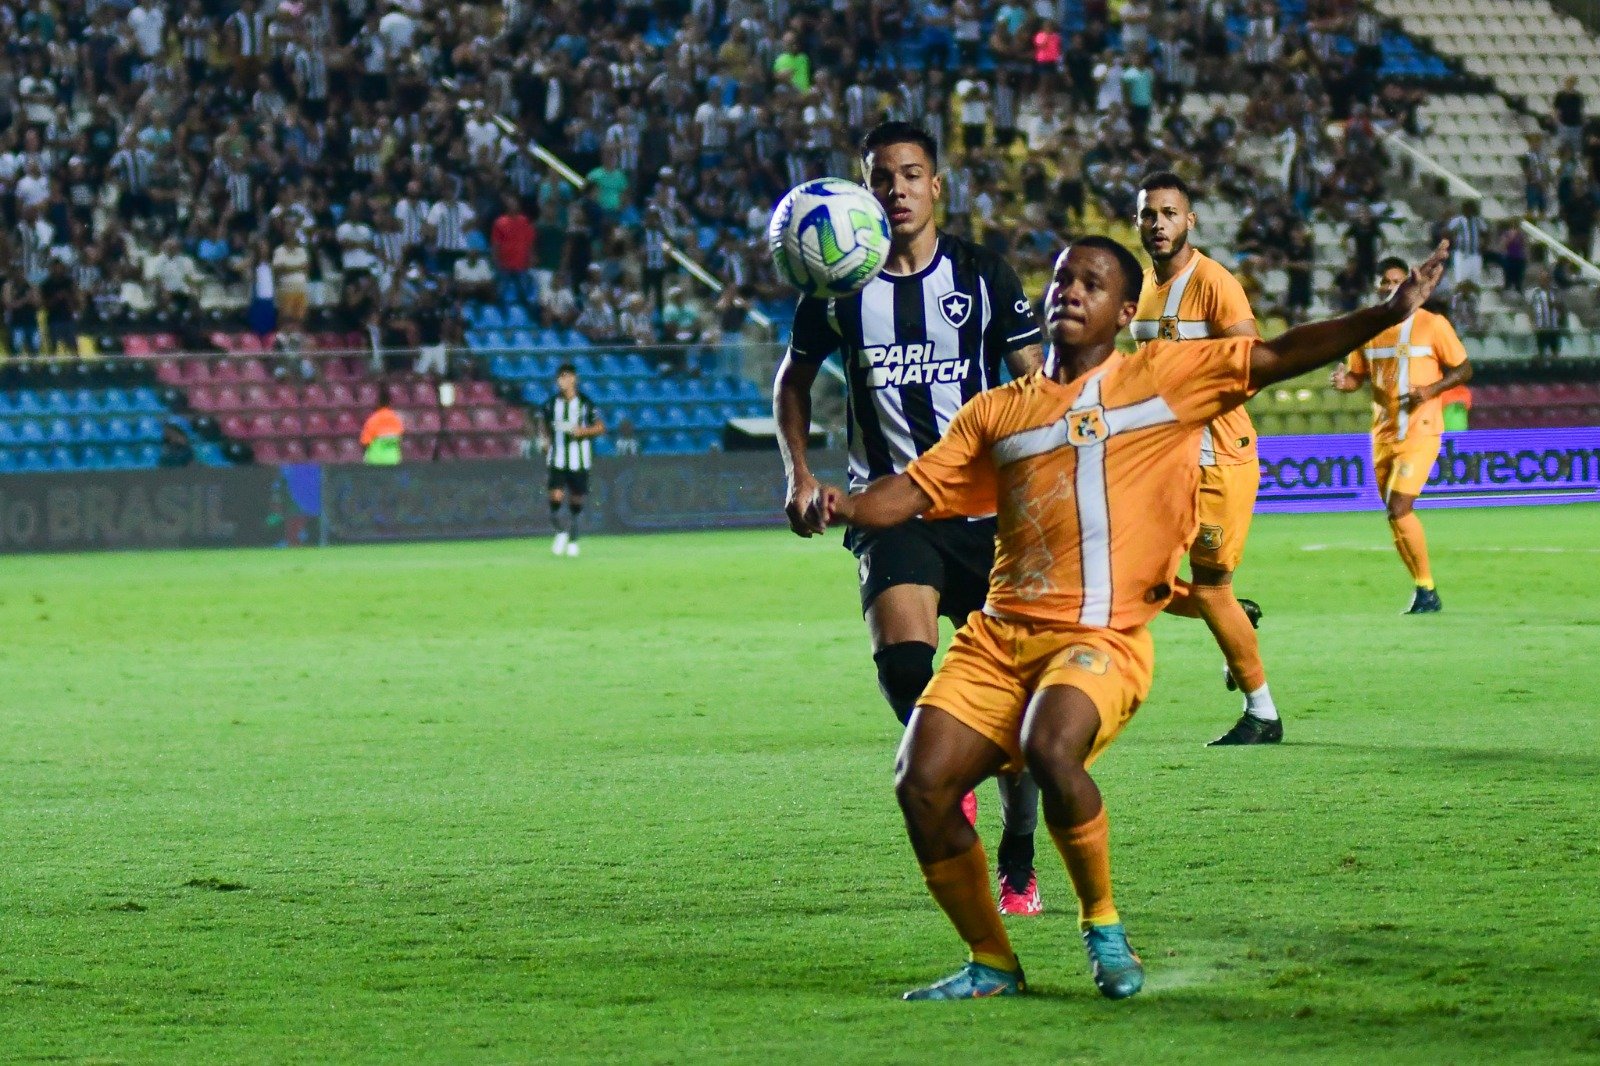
<point>923,796</point>
<point>1399,506</point>
<point>1054,744</point>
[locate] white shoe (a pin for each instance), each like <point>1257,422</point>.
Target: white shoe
<point>559,545</point>
<point>572,549</point>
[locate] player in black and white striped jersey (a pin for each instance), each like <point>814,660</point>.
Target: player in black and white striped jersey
<point>1549,314</point>
<point>572,423</point>
<point>921,339</point>
<point>1469,236</point>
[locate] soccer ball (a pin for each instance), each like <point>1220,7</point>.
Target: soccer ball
<point>829,237</point>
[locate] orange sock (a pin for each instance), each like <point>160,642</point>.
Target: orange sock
<point>961,888</point>
<point>1235,636</point>
<point>1182,603</point>
<point>1412,544</point>
<point>1086,849</point>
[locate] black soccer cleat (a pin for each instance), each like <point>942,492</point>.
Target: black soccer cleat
<point>1252,611</point>
<point>1251,730</point>
<point>1425,601</point>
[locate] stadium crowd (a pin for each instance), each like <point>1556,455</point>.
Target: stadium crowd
<point>338,164</point>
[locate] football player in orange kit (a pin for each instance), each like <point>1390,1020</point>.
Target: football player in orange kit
<point>1409,368</point>
<point>1092,464</point>
<point>1190,296</point>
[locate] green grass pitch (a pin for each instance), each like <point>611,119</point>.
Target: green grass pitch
<point>471,803</point>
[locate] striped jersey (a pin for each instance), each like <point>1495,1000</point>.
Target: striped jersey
<point>1417,352</point>
<point>915,347</point>
<point>1199,303</point>
<point>1095,480</point>
<point>1546,310</point>
<point>561,417</point>
<point>1468,233</point>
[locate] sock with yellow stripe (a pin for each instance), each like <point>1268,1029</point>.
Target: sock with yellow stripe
<point>1234,634</point>
<point>1412,544</point>
<point>961,888</point>
<point>1086,849</point>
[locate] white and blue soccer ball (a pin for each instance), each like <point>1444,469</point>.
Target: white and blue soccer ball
<point>829,237</point>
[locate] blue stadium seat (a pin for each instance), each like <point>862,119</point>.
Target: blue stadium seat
<point>502,366</point>
<point>211,454</point>
<point>611,365</point>
<point>549,338</point>
<point>93,457</point>
<point>522,340</point>
<point>34,460</point>
<point>8,433</point>
<point>119,429</point>
<point>146,399</point>
<point>494,339</point>
<point>647,418</point>
<point>676,417</point>
<point>90,430</point>
<point>476,241</point>
<point>121,456</point>
<point>604,391</point>
<point>680,442</point>
<point>9,461</point>
<point>30,431</point>
<point>635,366</point>
<point>62,458</point>
<point>29,403</point>
<point>60,431</point>
<point>478,340</point>
<point>533,392</point>
<point>705,418</point>
<point>147,428</point>
<point>8,404</point>
<point>85,402</point>
<point>706,440</point>
<point>655,443</point>
<point>491,318</point>
<point>573,339</point>
<point>517,317</point>
<point>148,454</point>
<point>695,389</point>
<point>116,401</point>
<point>721,389</point>
<point>472,315</point>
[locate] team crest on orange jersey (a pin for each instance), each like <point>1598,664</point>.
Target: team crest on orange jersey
<point>1087,428</point>
<point>1210,537</point>
<point>1084,657</point>
<point>1168,329</point>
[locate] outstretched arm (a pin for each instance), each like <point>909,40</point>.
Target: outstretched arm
<point>886,502</point>
<point>1456,375</point>
<point>1317,343</point>
<point>791,406</point>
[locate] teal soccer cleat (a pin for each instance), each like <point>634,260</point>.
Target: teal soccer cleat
<point>974,981</point>
<point>1118,973</point>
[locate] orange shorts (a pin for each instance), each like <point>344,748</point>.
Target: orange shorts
<point>1227,501</point>
<point>995,665</point>
<point>1404,466</point>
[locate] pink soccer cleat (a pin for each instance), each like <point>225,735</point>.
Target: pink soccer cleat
<point>969,808</point>
<point>1023,902</point>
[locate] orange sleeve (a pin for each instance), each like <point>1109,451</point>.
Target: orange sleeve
<point>1447,347</point>
<point>1356,363</point>
<point>1229,305</point>
<point>957,473</point>
<point>1201,379</point>
<point>369,431</point>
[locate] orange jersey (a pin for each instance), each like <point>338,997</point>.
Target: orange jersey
<point>1415,353</point>
<point>383,422</point>
<point>1094,480</point>
<point>1199,304</point>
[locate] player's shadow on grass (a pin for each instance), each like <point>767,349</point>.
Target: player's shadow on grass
<point>1550,763</point>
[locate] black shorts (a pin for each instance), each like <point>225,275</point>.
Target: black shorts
<point>953,555</point>
<point>573,482</point>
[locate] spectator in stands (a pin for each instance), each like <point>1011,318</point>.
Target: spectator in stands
<point>382,433</point>
<point>22,315</point>
<point>512,238</point>
<point>474,277</point>
<point>1350,286</point>
<point>626,442</point>
<point>1536,171</point>
<point>1465,309</point>
<point>291,266</point>
<point>175,278</point>
<point>59,295</point>
<point>1138,91</point>
<point>1567,105</point>
<point>262,315</point>
<point>1578,214</point>
<point>1513,256</point>
<point>1549,315</point>
<point>176,451</point>
<point>1300,262</point>
<point>1469,239</point>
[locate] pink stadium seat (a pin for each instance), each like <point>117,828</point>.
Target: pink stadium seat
<point>318,397</point>
<point>293,451</point>
<point>164,342</point>
<point>485,420</point>
<point>426,420</point>
<point>256,398</point>
<point>322,451</point>
<point>416,451</point>
<point>236,426</point>
<point>316,424</point>
<point>475,393</point>
<point>194,371</point>
<point>268,451</point>
<point>169,372</point>
<point>458,421</point>
<point>513,420</point>
<point>341,395</point>
<point>285,397</point>
<point>221,341</point>
<point>289,425</point>
<point>348,451</point>
<point>250,344</point>
<point>229,399</point>
<point>254,370</point>
<point>261,426</point>
<point>366,395</point>
<point>347,424</point>
<point>137,346</point>
<point>203,398</point>
<point>226,372</point>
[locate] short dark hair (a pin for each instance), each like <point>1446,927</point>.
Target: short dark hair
<point>1166,179</point>
<point>566,368</point>
<point>1132,272</point>
<point>887,133</point>
<point>1392,262</point>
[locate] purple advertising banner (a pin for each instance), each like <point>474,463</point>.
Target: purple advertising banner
<point>1477,468</point>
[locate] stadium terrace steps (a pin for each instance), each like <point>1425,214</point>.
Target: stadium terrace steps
<point>48,429</point>
<point>1526,46</point>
